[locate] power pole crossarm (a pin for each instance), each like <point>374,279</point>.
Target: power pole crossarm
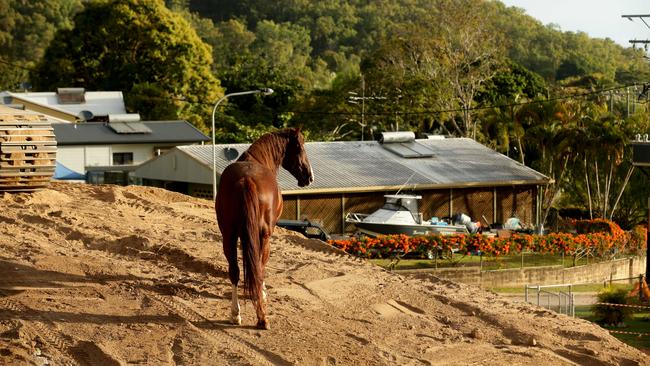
<point>631,17</point>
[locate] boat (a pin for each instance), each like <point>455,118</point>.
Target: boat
<point>400,215</point>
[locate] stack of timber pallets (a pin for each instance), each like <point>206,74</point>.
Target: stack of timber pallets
<point>27,150</point>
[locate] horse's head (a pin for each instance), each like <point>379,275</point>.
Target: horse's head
<point>295,158</point>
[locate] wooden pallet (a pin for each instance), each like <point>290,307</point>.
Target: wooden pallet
<point>27,151</point>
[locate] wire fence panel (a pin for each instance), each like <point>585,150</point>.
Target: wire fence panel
<point>476,203</point>
<point>435,203</point>
<point>289,208</point>
<point>324,210</point>
<point>524,203</point>
<point>362,203</point>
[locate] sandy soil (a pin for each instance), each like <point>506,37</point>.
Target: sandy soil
<point>105,275</point>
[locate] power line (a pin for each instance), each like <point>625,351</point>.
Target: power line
<point>440,111</point>
<point>634,42</point>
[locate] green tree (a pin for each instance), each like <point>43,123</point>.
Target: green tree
<point>137,46</point>
<point>26,28</point>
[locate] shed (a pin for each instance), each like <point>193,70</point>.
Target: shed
<point>452,175</point>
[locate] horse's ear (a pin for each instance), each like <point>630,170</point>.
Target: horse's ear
<point>299,128</point>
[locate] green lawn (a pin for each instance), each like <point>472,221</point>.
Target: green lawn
<point>591,287</point>
<point>486,263</point>
<point>640,323</point>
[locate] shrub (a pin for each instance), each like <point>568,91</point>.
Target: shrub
<point>601,238</point>
<point>612,315</point>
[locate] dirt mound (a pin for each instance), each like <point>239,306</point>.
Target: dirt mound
<point>106,275</point>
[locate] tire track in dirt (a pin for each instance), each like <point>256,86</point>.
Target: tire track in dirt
<point>133,200</point>
<point>522,337</point>
<point>219,336</point>
<point>130,245</point>
<point>46,332</point>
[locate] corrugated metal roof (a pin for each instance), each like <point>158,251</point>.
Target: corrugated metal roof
<point>100,103</point>
<point>93,133</point>
<point>457,162</point>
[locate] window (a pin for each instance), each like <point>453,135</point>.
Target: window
<point>123,158</point>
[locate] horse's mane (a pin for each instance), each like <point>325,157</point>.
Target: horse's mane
<point>269,148</point>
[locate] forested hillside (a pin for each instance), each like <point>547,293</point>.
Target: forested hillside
<point>352,69</point>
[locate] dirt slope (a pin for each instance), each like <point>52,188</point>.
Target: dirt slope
<point>105,275</point>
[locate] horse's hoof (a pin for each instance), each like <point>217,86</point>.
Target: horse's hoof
<point>263,324</point>
<point>236,320</point>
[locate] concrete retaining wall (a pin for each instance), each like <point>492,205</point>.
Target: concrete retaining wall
<point>552,275</point>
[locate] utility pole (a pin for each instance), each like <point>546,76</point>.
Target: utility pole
<point>354,98</point>
<point>641,158</point>
<point>642,17</point>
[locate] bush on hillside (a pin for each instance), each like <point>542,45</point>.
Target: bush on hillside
<point>612,315</point>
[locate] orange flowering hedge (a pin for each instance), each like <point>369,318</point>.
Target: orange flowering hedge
<point>599,237</point>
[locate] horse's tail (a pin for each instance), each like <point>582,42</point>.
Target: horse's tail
<point>250,240</point>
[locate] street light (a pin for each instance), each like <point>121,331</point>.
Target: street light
<point>263,91</point>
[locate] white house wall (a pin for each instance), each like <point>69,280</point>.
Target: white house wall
<point>73,157</point>
<point>141,153</point>
<point>97,155</point>
<point>77,158</point>
<point>175,166</point>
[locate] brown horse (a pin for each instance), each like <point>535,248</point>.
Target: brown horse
<point>248,205</point>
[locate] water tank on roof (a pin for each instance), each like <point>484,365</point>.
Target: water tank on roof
<point>400,136</point>
<point>124,117</point>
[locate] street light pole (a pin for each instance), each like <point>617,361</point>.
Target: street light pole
<point>263,91</point>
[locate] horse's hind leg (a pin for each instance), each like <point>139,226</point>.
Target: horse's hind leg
<point>262,322</point>
<point>230,250</point>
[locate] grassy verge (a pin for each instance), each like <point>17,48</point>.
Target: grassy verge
<point>639,323</point>
<point>486,263</point>
<point>591,287</point>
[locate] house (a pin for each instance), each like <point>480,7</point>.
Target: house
<point>451,174</point>
<point>68,104</point>
<point>93,151</point>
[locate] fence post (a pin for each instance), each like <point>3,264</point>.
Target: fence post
<point>641,286</point>
<point>538,289</point>
<point>526,293</point>
<point>435,259</point>
<point>480,256</point>
<point>522,259</point>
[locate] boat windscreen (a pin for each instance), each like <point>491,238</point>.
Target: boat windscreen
<point>401,204</point>
<point>411,204</point>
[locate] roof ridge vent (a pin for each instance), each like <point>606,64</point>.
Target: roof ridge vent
<point>395,137</point>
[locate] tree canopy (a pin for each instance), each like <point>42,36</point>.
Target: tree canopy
<point>348,69</point>
<point>136,46</point>
<point>26,29</point>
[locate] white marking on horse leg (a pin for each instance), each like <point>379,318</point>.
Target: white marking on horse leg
<point>264,291</point>
<point>313,175</point>
<point>235,317</point>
